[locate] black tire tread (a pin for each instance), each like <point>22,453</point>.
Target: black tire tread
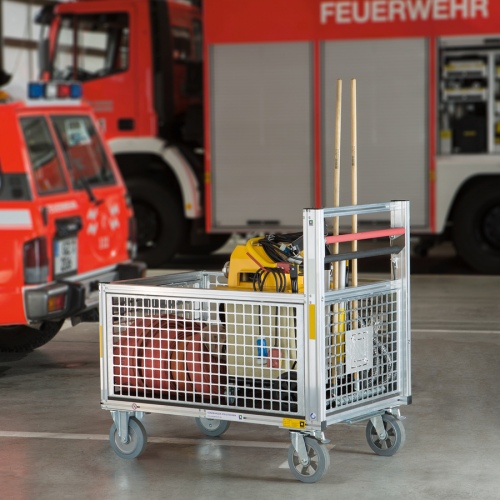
<point>169,209</point>
<point>23,338</point>
<point>470,244</point>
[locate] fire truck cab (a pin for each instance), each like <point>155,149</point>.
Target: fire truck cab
<point>66,223</point>
<point>139,62</point>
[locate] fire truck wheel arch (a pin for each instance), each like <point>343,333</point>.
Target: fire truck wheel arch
<point>476,226</point>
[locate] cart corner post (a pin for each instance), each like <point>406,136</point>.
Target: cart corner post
<point>400,217</point>
<point>102,343</point>
<point>314,288</point>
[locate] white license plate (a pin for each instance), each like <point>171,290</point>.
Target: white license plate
<point>65,256</point>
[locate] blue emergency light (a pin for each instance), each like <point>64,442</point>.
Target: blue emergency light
<point>36,90</point>
<point>76,91</point>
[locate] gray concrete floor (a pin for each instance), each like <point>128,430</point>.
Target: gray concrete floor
<point>54,436</point>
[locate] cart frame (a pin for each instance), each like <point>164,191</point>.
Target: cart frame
<point>350,348</point>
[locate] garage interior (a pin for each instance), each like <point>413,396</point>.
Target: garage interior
<point>55,438</point>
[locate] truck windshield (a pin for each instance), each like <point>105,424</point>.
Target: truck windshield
<point>83,151</point>
<point>91,46</point>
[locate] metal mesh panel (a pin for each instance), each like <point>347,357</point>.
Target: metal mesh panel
<point>361,350</point>
<point>237,355</point>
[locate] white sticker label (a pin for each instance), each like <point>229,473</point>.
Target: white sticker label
<point>359,350</point>
<point>223,415</point>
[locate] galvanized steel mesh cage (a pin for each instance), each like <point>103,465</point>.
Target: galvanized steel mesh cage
<point>187,344</point>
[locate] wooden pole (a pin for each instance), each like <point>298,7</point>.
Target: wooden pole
<point>354,197</point>
<point>336,179</point>
<point>337,339</point>
<point>354,177</point>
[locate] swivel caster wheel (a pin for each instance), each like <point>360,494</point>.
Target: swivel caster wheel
<point>212,427</point>
<point>391,441</point>
<point>136,442</point>
<point>314,467</point>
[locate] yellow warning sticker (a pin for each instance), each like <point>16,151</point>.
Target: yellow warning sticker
<point>294,423</point>
<point>312,322</point>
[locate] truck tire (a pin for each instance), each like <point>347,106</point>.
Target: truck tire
<point>161,226</point>
<point>212,243</point>
<point>23,338</point>
<point>476,227</point>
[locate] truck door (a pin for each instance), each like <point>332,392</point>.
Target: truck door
<point>94,48</point>
<point>101,198</point>
<point>59,207</point>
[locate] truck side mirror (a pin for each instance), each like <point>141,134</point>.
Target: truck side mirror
<point>4,77</point>
<point>43,56</point>
<point>44,18</point>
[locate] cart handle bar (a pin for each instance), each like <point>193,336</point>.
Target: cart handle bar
<point>374,252</point>
<point>365,235</point>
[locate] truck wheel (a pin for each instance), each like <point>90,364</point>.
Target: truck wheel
<point>476,227</point>
<point>212,243</point>
<point>161,226</point>
<point>23,338</point>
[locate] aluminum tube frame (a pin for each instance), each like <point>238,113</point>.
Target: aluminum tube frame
<point>207,286</point>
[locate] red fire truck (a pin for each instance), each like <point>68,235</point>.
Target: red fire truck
<point>140,65</point>
<point>65,221</point>
<point>428,81</point>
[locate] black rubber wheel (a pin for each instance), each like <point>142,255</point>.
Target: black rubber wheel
<point>212,427</point>
<point>392,442</point>
<point>476,227</point>
<point>318,461</point>
<point>23,338</point>
<point>137,440</point>
<point>161,226</point>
